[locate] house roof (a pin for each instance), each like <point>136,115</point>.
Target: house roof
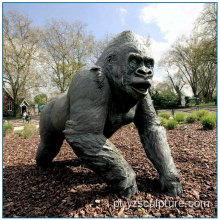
<point>7,92</point>
<point>24,102</point>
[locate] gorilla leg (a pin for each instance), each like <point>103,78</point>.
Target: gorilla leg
<point>48,148</point>
<point>100,155</point>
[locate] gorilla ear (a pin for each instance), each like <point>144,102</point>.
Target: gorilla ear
<point>110,59</point>
<point>99,79</point>
<point>96,68</point>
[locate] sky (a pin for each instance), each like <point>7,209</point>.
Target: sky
<point>164,22</point>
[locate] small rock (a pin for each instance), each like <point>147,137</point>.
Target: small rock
<point>196,194</point>
<point>157,214</point>
<point>121,213</point>
<point>97,201</point>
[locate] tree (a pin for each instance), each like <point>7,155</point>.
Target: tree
<point>40,99</point>
<point>207,34</point>
<point>174,76</point>
<point>20,47</point>
<point>208,80</point>
<point>206,23</point>
<point>165,100</point>
<point>161,87</point>
<point>192,60</point>
<point>188,57</point>
<point>99,46</point>
<point>67,46</point>
<point>163,95</point>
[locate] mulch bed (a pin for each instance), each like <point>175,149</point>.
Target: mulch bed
<point>69,190</point>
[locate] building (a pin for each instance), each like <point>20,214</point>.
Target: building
<point>8,103</point>
<point>9,106</point>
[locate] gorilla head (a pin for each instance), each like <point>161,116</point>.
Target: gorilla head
<point>127,65</point>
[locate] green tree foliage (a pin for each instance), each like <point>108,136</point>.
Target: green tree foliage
<point>20,48</point>
<point>40,99</point>
<point>67,48</point>
<point>206,30</point>
<point>165,100</point>
<point>163,96</point>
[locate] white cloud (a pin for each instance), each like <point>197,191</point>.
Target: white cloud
<point>173,19</point>
<point>123,13</point>
<point>158,48</point>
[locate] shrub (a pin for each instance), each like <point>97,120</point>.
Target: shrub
<point>190,118</point>
<point>7,128</point>
<point>179,117</point>
<point>165,100</point>
<point>209,121</point>
<point>163,121</point>
<point>164,115</point>
<point>29,129</point>
<point>171,124</point>
<point>201,113</point>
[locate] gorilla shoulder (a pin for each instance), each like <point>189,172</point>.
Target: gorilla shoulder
<point>86,85</point>
<point>89,84</point>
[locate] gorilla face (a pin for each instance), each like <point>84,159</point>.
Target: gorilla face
<point>128,67</point>
<point>139,74</point>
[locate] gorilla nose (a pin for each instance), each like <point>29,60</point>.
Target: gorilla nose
<point>144,71</point>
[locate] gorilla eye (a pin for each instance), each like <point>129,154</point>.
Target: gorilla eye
<point>149,63</point>
<point>133,63</point>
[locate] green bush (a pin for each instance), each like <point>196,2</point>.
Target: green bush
<point>29,130</point>
<point>201,113</point>
<point>190,118</point>
<point>163,121</point>
<point>209,121</point>
<point>7,128</point>
<point>171,124</point>
<point>179,116</point>
<point>165,100</point>
<point>165,115</point>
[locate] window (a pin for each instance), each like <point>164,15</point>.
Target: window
<point>10,106</point>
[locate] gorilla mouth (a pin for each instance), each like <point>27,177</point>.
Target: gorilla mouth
<point>141,87</point>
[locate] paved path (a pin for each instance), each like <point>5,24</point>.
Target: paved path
<point>19,124</point>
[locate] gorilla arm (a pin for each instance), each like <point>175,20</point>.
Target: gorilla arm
<point>153,138</point>
<point>88,99</point>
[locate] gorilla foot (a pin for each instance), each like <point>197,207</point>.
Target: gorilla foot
<point>171,186</point>
<point>129,192</point>
<point>127,187</point>
<point>46,153</point>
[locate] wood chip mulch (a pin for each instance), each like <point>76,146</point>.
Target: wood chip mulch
<point>67,189</point>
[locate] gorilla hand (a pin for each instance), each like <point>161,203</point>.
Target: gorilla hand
<point>171,185</point>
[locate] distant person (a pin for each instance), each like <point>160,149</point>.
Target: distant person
<point>24,115</point>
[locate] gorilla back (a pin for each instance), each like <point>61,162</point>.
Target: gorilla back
<point>98,102</point>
